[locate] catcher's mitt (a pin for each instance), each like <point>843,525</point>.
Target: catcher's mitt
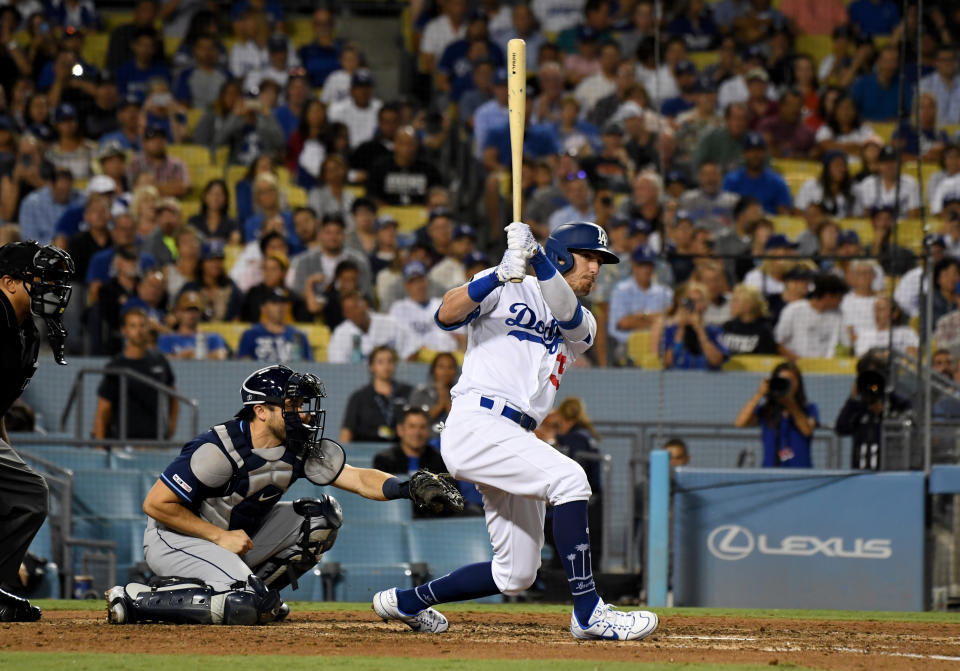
<point>435,492</point>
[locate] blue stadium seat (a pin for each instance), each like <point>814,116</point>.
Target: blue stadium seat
<point>153,460</point>
<point>448,544</point>
<point>370,543</point>
<point>108,494</point>
<point>41,545</point>
<point>73,458</point>
<point>359,583</point>
<point>358,509</point>
<point>128,535</point>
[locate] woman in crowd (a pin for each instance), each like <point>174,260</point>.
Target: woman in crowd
<point>275,268</point>
<point>306,147</point>
<point>786,418</point>
<point>186,267</point>
<point>949,167</point>
<point>243,190</point>
<point>329,195</point>
<point>221,296</point>
<point>686,342</point>
<point>805,81</point>
<point>435,394</point>
<point>748,331</point>
<point>372,410</point>
<point>888,317</point>
<point>833,189</point>
<point>843,130</point>
<point>143,206</point>
<point>212,221</point>
<point>70,151</point>
<point>214,119</point>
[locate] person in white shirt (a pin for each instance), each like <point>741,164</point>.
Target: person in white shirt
<point>734,90</point>
<point>362,330</point>
<point>416,311</point>
<point>908,294</point>
<point>449,272</point>
<point>247,54</point>
<point>442,31</point>
<point>881,189</point>
<point>336,86</point>
<point>944,84</point>
<point>887,316</point>
<point>280,58</point>
<point>811,328</point>
<point>591,89</point>
<point>557,15</point>
<point>857,306</point>
<point>945,182</point>
<point>359,111</point>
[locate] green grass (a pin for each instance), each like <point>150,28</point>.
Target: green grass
<point>857,615</point>
<point>88,661</point>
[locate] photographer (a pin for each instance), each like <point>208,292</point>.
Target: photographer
<point>787,419</point>
<point>687,343</point>
<point>861,417</point>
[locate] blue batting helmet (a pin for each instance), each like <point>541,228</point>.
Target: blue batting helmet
<point>578,236</point>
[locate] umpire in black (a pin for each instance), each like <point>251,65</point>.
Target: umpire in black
<point>34,280</point>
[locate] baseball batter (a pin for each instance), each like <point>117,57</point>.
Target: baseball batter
<point>521,338</point>
<point>219,542</point>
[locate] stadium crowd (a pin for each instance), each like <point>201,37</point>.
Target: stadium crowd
<point>232,174</point>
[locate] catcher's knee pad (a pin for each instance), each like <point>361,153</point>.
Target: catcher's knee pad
<point>256,605</point>
<point>322,518</point>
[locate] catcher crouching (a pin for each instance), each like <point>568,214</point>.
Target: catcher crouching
<point>219,540</point>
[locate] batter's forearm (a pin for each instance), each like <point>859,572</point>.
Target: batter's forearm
<point>456,306</point>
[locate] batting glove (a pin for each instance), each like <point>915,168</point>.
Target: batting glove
<point>520,238</point>
<point>513,267</point>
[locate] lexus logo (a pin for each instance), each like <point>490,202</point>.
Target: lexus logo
<point>730,542</point>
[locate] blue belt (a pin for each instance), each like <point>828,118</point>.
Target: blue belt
<point>525,421</point>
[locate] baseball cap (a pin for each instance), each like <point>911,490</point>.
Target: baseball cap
<point>676,176</point>
<point>754,140</point>
<point>131,100</point>
<point>951,197</point>
<point>934,239</point>
<point>888,153</point>
<point>154,130</point>
<point>628,110</point>
<point>799,272</point>
<point>110,148</point>
<point>464,231</point>
<point>705,84</point>
<point>587,34</point>
<point>277,294</point>
<point>613,128</point>
<point>639,226</point>
<point>848,237</point>
<point>684,67</point>
<point>212,249</point>
<point>682,215</point>
<point>500,76</point>
<point>757,73</point>
<point>276,43</point>
<point>41,131</point>
<point>754,53</point>
<point>832,154</point>
<point>414,269</point>
<point>385,220</point>
<point>778,241</point>
<point>617,221</point>
<point>476,258</point>
<point>362,77</point>
<point>65,112</point>
<point>190,300</point>
<point>438,212</point>
<point>101,184</point>
<point>643,254</point>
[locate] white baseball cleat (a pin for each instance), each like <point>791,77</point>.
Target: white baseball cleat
<point>608,623</point>
<point>426,621</point>
<point>117,602</point>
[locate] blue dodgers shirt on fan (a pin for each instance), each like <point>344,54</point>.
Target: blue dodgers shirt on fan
<point>259,344</point>
<point>174,344</point>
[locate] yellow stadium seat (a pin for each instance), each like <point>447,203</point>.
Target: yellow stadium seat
<point>220,156</point>
<point>753,363</point>
<point>703,58</point>
<point>230,254</point>
<point>112,20</point>
<point>641,352</point>
<point>200,176</point>
<point>190,207</point>
<point>193,117</point>
<point>357,190</point>
<point>795,181</point>
<point>910,234</point>
<point>318,336</point>
<point>789,226</point>
<point>862,226</point>
<point>818,46</point>
<point>94,49</point>
<point>283,176</point>
<point>409,217</point>
<point>426,355</point>
<point>296,196</point>
<point>796,166</point>
<point>835,366</point>
<point>170,46</point>
<point>191,154</point>
<point>884,129</point>
<point>300,31</point>
<point>234,174</point>
<point>231,331</point>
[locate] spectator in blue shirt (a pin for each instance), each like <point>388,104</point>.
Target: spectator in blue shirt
<point>76,14</point>
<point>687,343</point>
<point>877,94</point>
<point>272,340</point>
<point>186,342</point>
<point>132,76</point>
<point>41,210</point>
<point>696,26</point>
<point>322,56</point>
<point>637,302</point>
<point>787,419</point>
<point>685,73</point>
<point>755,179</point>
<point>874,17</point>
<point>455,69</point>
<point>128,116</point>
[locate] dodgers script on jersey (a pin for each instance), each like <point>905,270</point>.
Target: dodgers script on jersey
<point>515,349</point>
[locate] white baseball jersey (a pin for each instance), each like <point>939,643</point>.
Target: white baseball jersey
<point>515,350</point>
<point>419,320</point>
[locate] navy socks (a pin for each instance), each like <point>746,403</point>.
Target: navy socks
<point>572,537</point>
<point>472,581</point>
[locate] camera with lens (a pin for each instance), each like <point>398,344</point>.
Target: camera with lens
<point>689,305</point>
<point>778,388</point>
<point>871,386</point>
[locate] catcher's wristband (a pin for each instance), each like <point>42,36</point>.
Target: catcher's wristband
<point>395,488</point>
<point>481,287</point>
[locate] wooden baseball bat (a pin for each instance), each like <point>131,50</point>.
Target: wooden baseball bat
<point>516,104</point>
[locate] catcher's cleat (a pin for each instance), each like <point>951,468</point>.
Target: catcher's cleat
<point>426,621</point>
<point>16,609</point>
<point>119,607</point>
<point>282,612</point>
<point>608,623</point>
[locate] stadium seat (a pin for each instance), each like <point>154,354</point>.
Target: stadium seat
<point>94,49</point>
<point>296,196</point>
<point>300,31</point>
<point>112,20</point>
<point>319,337</point>
<point>111,494</point>
<point>703,58</point>
<point>170,46</point>
<point>817,46</point>
<point>796,166</point>
<point>194,155</point>
<point>356,190</point>
<point>789,226</point>
<point>447,544</point>
<point>190,207</point>
<point>194,114</point>
<point>884,129</point>
<point>200,175</point>
<point>358,509</point>
<point>370,543</point>
<point>231,331</point>
<point>834,366</point>
<point>863,227</point>
<point>753,363</point>
<point>427,356</point>
<point>231,252</point>
<point>409,218</point>
<point>640,350</point>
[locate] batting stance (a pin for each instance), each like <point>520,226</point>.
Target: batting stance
<point>219,542</point>
<point>521,338</point>
<point>34,280</point>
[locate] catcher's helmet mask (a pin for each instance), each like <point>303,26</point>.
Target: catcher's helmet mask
<point>299,395</point>
<point>46,272</point>
<point>577,236</point>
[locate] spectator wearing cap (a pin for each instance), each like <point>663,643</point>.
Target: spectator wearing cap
<point>748,329</point>
<point>402,179</point>
<point>908,294</point>
<point>386,250</point>
<point>250,131</point>
<point>186,342</point>
<point>523,24</point>
<point>113,164</point>
<point>95,235</point>
<point>595,15</point>
<point>735,244</point>
<point>755,179</point>
<point>359,111</point>
<point>249,51</point>
<point>66,77</point>
<point>637,302</point>
<point>127,133</point>
<point>323,256</point>
<point>944,85</point>
<point>275,267</point>
<point>123,235</point>
<point>874,17</point>
<point>118,49</point>
<point>696,26</point>
<point>736,89</point>
<point>810,328</point>
<point>881,190</point>
<point>103,320</point>
<point>70,151</point>
<point>442,31</point>
<point>681,249</point>
<point>362,330</point>
<point>43,207</point>
<point>856,307</point>
<point>100,118</point>
<point>133,76</point>
<point>768,276</point>
<point>786,132</point>
<point>280,58</point>
<point>685,73</point>
<point>760,105</point>
<point>877,93</point>
<point>832,190</point>
<point>796,287</point>
<point>321,56</point>
<point>895,259</point>
<point>725,144</point>
<point>222,299</point>
<point>161,243</point>
<point>448,272</point>
<point>695,123</point>
<point>454,73</point>
<point>944,181</point>
<point>199,86</point>
<point>576,188</point>
<point>611,167</point>
<point>685,340</point>
<point>167,173</point>
<point>602,83</point>
<point>273,339</point>
<point>709,204</point>
<point>926,142</point>
<point>416,311</point>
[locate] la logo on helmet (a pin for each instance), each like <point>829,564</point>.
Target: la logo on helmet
<point>601,236</point>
